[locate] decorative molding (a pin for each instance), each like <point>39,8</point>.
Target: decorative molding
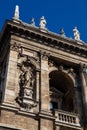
<point>35,61</point>
<point>53,40</point>
<point>82,67</point>
<point>71,72</point>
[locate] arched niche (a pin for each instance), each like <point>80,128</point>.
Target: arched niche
<point>30,60</point>
<point>61,86</point>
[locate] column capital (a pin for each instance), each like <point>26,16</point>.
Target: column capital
<point>44,55</point>
<point>83,67</point>
<point>15,47</point>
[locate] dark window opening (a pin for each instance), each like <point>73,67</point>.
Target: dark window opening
<point>53,105</point>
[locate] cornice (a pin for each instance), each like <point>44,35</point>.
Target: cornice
<point>46,38</point>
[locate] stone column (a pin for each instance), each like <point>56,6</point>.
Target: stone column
<point>77,102</point>
<point>84,91</point>
<point>11,81</point>
<point>44,82</point>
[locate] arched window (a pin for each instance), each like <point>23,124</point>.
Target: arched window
<point>61,91</point>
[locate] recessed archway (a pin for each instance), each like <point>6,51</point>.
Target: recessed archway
<point>61,90</point>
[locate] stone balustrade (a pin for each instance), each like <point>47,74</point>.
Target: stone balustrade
<point>67,117</point>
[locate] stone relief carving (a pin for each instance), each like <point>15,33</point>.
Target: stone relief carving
<point>26,78</point>
<point>34,60</point>
<point>44,55</point>
<point>60,68</point>
<point>51,63</point>
<point>15,47</point>
<point>27,82</point>
<point>71,72</point>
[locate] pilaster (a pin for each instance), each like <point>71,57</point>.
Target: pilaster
<point>84,90</point>
<point>11,81</point>
<point>44,82</point>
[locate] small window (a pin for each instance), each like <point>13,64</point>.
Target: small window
<point>86,70</point>
<point>53,105</point>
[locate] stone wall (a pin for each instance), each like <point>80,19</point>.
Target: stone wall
<point>18,121</point>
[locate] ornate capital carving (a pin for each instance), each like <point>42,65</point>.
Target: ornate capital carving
<point>44,55</point>
<point>15,47</point>
<point>51,63</point>
<point>61,68</point>
<point>71,71</point>
<point>83,68</point>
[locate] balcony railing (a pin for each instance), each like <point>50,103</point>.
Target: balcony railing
<point>67,118</point>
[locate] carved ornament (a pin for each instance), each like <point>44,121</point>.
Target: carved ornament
<point>51,63</point>
<point>28,59</point>
<point>60,68</point>
<point>83,68</point>
<point>27,82</point>
<point>15,47</point>
<point>44,55</point>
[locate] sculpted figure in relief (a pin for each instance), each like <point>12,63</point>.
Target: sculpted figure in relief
<point>26,77</point>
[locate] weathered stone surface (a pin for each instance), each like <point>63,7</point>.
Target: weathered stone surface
<point>18,121</point>
<point>46,124</point>
<point>41,86</point>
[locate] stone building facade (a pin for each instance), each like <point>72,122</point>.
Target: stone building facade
<point>43,78</point>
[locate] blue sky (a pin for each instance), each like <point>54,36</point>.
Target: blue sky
<point>65,14</point>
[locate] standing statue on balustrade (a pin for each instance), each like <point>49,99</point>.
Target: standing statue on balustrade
<point>76,34</point>
<point>43,23</point>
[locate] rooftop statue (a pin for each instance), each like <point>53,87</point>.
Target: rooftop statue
<point>16,13</point>
<point>76,34</point>
<point>43,23</point>
<point>32,22</point>
<point>62,33</point>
